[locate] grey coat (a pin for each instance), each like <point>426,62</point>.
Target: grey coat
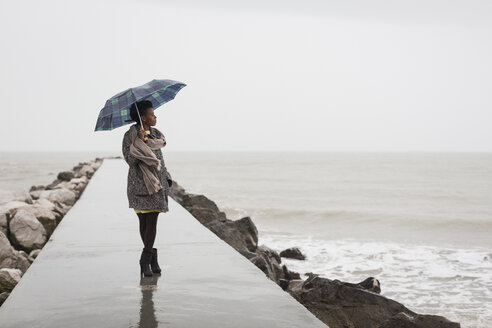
<point>138,196</point>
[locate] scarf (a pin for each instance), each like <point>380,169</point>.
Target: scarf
<point>149,163</point>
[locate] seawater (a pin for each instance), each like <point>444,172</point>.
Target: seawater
<point>418,222</point>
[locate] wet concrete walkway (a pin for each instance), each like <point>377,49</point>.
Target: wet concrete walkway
<point>88,274</point>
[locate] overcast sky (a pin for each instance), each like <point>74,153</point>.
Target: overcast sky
<point>261,75</point>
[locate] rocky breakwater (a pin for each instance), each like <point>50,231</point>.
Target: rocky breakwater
<point>29,217</point>
<point>338,304</point>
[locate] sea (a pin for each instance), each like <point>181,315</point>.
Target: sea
<point>420,223</point>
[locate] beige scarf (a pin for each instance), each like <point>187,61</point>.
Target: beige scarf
<point>149,163</point>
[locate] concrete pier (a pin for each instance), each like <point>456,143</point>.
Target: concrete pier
<point>88,273</point>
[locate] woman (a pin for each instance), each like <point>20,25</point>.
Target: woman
<point>148,180</point>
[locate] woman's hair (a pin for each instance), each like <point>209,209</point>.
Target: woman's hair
<point>142,109</point>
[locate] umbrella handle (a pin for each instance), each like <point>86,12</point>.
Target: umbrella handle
<point>141,125</point>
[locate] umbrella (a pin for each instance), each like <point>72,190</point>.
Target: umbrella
<point>116,112</point>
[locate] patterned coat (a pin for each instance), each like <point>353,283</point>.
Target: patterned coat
<point>138,196</point>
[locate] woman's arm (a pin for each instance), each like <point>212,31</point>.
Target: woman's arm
<point>126,151</point>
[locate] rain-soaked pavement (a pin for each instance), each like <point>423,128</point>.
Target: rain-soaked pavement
<point>88,274</point>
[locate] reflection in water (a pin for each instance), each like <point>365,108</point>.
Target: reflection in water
<point>147,311</point>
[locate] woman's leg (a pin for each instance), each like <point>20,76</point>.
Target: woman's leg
<point>143,225</point>
<point>150,230</point>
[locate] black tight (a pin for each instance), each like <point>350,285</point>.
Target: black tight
<point>148,226</point>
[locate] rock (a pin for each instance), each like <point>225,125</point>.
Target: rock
<point>12,207</point>
<point>20,195</point>
<point>290,275</point>
<point>23,254</point>
<point>26,232</point>
<point>268,261</point>
<point>44,213</point>
<point>240,234</point>
<point>11,258</point>
<point>61,210</point>
<point>64,196</point>
<point>35,193</point>
<point>34,253</point>
<point>283,283</point>
<point>45,203</point>
<point>295,285</point>
<point>38,187</point>
<point>264,264</point>
<point>202,208</point>
<point>97,164</point>
<point>248,229</point>
<point>81,182</point>
<point>77,185</point>
<point>65,176</point>
<point>3,297</point>
<point>87,170</point>
<point>4,221</point>
<point>287,276</point>
<point>53,185</point>
<point>292,253</point>
<point>207,215</point>
<point>371,284</point>
<point>339,304</point>
<point>404,320</point>
<point>9,278</point>
<point>177,192</point>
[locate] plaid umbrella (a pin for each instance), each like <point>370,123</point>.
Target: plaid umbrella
<point>116,112</point>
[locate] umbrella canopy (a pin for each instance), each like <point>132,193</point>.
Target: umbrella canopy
<point>116,112</point>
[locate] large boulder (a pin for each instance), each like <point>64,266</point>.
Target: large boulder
<point>26,232</point>
<point>9,278</point>
<point>11,258</point>
<point>63,195</point>
<point>35,191</point>
<point>60,211</point>
<point>43,210</point>
<point>12,207</point>
<point>340,304</point>
<point>240,234</point>
<point>292,253</point>
<point>4,221</point>
<point>65,176</point>
<point>87,170</point>
<point>268,261</point>
<point>405,320</point>
<point>248,231</point>
<point>177,192</point>
<point>7,211</point>
<point>77,185</point>
<point>202,208</point>
<point>20,195</point>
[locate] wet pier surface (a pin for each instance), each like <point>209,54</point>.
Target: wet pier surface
<point>88,274</point>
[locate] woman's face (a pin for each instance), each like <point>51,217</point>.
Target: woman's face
<point>149,118</point>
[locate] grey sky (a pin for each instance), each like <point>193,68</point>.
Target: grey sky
<point>277,75</point>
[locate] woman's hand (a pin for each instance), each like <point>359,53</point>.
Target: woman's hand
<point>141,133</point>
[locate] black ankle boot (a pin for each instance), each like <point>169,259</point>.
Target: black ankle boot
<point>153,262</point>
<point>145,263</point>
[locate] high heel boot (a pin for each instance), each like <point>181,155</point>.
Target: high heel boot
<point>153,262</point>
<point>145,263</point>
